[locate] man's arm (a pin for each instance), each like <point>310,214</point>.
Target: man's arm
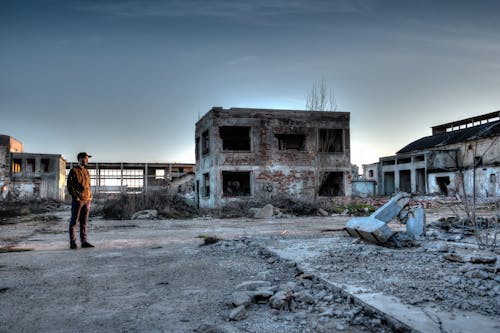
<point>72,181</point>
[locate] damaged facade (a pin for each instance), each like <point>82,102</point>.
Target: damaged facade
<point>457,157</point>
<point>28,175</point>
<point>258,153</point>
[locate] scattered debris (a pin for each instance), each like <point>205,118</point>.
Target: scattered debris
<point>148,214</point>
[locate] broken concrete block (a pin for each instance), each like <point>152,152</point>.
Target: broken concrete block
<point>265,212</point>
<point>415,225</point>
<point>391,209</point>
<point>370,229</point>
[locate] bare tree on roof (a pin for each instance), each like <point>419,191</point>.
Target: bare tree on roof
<point>321,97</point>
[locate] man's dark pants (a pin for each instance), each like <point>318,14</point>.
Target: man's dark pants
<point>79,213</point>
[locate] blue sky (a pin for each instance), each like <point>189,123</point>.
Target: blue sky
<point>127,80</point>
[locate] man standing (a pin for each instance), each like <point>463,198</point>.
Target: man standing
<point>79,188</point>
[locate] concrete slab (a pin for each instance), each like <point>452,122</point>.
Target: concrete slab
<point>415,226</point>
<point>391,209</point>
<point>370,229</point>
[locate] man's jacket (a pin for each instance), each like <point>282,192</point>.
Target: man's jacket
<point>79,183</point>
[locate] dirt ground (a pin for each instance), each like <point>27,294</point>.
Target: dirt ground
<point>155,275</point>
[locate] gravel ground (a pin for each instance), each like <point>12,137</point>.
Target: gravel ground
<point>153,276</point>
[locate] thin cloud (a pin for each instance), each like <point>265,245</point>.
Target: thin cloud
<point>224,8</point>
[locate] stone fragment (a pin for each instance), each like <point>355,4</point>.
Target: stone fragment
<point>145,214</point>
<point>477,274</point>
<point>241,298</point>
<point>278,300</point>
<point>482,259</point>
<point>436,247</point>
<point>322,212</point>
<point>238,313</point>
<point>456,257</point>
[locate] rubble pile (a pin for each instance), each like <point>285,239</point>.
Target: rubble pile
<point>438,273</point>
<point>290,295</point>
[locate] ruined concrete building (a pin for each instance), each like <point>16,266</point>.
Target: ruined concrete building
<point>27,175</point>
<point>258,153</point>
<point>459,156</point>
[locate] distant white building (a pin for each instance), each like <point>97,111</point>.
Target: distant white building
<point>456,155</point>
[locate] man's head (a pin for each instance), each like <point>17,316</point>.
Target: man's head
<point>83,158</point>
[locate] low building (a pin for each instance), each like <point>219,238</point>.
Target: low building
<point>246,154</point>
<point>126,177</point>
<point>459,157</point>
<point>29,175</point>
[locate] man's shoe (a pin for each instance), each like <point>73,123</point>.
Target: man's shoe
<point>72,246</point>
<point>87,244</point>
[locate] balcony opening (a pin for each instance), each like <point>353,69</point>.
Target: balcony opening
<point>235,138</point>
<point>236,184</point>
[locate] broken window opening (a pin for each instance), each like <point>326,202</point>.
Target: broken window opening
<point>44,164</point>
<point>197,148</point>
<point>205,143</point>
<point>235,138</point>
<point>389,162</point>
<point>30,165</point>
<point>493,178</point>
<point>443,183</point>
<point>370,173</point>
<point>236,184</point>
<point>206,185</point>
<point>291,141</point>
<point>332,184</point>
<point>16,165</point>
<point>404,160</point>
<point>331,140</point>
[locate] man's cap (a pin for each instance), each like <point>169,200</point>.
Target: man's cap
<point>83,154</point>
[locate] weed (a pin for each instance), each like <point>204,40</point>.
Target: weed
<point>355,209</point>
<point>208,240</point>
<point>168,206</point>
